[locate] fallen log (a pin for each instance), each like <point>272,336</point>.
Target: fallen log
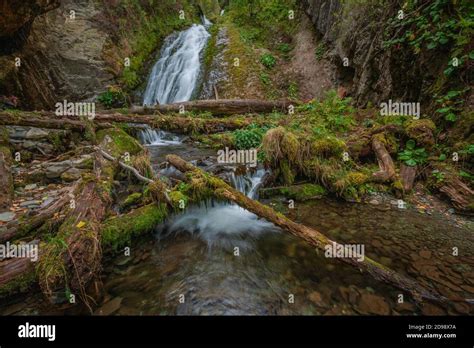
<point>220,107</point>
<point>461,196</point>
<point>181,124</point>
<point>75,260</point>
<point>28,223</point>
<point>224,191</point>
<point>6,179</point>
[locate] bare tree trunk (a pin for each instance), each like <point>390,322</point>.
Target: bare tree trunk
<point>313,237</point>
<point>407,175</point>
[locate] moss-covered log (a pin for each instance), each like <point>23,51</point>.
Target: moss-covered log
<point>177,123</point>
<point>6,179</point>
<point>224,191</point>
<point>118,231</point>
<point>220,107</point>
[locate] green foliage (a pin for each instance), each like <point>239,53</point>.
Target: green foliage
<point>113,98</point>
<point>320,50</point>
<point>438,176</point>
<point>268,60</point>
<point>434,24</point>
<point>336,113</point>
<point>250,137</point>
<point>412,156</point>
<point>451,103</point>
<point>260,20</point>
<point>293,90</point>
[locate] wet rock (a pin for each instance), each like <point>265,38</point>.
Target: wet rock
<point>426,254</point>
<point>430,309</point>
<point>406,307</point>
<point>317,299</point>
<point>374,202</point>
<point>30,187</point>
<point>30,204</point>
<point>463,307</point>
<point>110,307</point>
<point>70,175</point>
<point>7,216</point>
<point>373,304</point>
<point>36,133</point>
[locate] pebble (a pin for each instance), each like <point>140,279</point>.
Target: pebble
<point>30,187</point>
<point>30,204</point>
<point>373,304</point>
<point>7,216</point>
<point>110,307</point>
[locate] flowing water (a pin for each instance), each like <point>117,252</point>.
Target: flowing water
<point>217,258</point>
<point>175,76</point>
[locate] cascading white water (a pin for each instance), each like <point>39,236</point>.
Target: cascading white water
<point>175,75</point>
<point>154,137</point>
<point>223,223</point>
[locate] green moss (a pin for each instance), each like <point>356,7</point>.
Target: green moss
<point>178,199</point>
<point>118,232</point>
<point>328,146</point>
<point>131,200</point>
<point>299,193</point>
<point>20,284</point>
<point>421,131</point>
<point>121,142</point>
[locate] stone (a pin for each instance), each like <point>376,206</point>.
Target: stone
<point>30,187</point>
<point>426,254</point>
<point>32,203</point>
<point>72,174</point>
<point>7,216</point>
<point>430,309</point>
<point>374,202</point>
<point>317,299</point>
<point>36,133</point>
<point>110,307</point>
<point>373,304</point>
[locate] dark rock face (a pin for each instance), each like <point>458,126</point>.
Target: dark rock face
<point>17,14</point>
<point>61,57</point>
<point>355,31</point>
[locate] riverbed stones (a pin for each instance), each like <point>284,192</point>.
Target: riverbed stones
<point>7,216</point>
<point>109,307</point>
<point>373,304</point>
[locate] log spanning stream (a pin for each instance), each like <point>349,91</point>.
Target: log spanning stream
<point>219,259</point>
<point>189,265</point>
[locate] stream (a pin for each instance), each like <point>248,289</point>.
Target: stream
<point>219,259</point>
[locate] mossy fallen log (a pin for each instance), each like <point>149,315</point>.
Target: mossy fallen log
<point>119,231</point>
<point>221,107</point>
<point>315,238</point>
<point>302,192</point>
<point>176,123</point>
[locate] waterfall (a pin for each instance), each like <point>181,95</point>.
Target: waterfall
<point>224,224</point>
<point>150,136</point>
<point>174,77</point>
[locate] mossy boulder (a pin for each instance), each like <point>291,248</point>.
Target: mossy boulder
<point>118,142</point>
<point>421,131</point>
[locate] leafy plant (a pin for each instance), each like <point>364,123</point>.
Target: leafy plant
<point>250,137</point>
<point>412,156</point>
<point>113,98</point>
<point>268,60</point>
<point>450,104</point>
<point>320,50</point>
<point>438,176</point>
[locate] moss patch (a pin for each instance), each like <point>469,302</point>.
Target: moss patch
<point>118,232</point>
